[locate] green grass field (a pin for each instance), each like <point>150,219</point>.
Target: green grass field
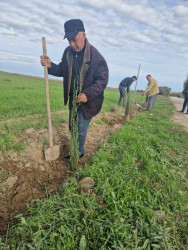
<point>140,172</point>
<point>23,97</point>
<point>26,96</point>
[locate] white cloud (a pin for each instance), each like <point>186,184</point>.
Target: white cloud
<point>154,32</point>
<point>174,39</point>
<point>182,11</point>
<point>17,58</point>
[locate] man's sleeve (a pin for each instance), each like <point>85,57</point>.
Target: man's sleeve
<point>56,70</point>
<point>129,84</point>
<point>151,84</point>
<point>100,82</point>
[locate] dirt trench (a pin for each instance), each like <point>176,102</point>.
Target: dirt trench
<point>26,176</point>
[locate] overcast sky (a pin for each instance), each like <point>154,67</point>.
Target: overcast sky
<point>153,33</point>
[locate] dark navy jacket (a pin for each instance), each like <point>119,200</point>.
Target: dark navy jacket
<point>94,78</point>
<point>126,83</point>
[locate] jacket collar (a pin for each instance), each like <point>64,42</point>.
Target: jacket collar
<point>85,64</point>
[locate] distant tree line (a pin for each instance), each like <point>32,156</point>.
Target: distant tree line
<point>177,94</point>
<point>166,91</point>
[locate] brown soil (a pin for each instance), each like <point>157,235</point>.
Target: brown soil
<point>26,176</point>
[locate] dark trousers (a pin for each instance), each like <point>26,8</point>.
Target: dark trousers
<point>82,128</point>
<point>151,101</point>
<point>122,96</point>
<point>185,104</point>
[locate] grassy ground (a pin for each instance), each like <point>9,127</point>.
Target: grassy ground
<point>25,98</point>
<point>21,97</point>
<point>139,200</point>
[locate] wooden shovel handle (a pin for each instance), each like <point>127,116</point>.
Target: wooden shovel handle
<point>47,94</point>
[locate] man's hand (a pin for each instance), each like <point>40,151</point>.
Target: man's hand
<point>144,93</point>
<point>45,61</point>
<point>82,98</point>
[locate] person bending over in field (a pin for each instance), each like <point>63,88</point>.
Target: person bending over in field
<point>80,60</point>
<point>123,86</point>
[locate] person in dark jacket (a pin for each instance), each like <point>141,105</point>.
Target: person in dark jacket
<point>185,104</point>
<point>83,70</point>
<point>125,84</point>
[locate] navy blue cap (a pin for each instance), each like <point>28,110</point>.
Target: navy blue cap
<point>72,27</point>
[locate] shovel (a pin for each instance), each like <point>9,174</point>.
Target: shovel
<point>52,152</point>
<point>134,102</point>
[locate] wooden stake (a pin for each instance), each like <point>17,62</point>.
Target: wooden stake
<point>136,82</point>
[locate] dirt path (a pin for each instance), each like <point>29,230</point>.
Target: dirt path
<point>180,118</point>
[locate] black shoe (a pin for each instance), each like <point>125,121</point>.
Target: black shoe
<point>81,155</point>
<point>68,164</point>
<point>181,111</point>
<point>68,156</point>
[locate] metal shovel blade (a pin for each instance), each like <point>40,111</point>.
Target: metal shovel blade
<point>134,101</point>
<point>52,153</point>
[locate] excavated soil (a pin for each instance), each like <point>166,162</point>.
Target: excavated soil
<point>26,176</point>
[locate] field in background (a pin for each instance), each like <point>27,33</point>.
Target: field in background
<point>23,96</point>
<point>139,200</point>
<point>23,105</point>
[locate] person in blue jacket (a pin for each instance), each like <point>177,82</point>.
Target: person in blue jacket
<point>125,84</point>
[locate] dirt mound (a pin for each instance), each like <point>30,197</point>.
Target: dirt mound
<point>27,176</point>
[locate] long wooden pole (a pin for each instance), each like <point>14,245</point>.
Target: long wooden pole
<point>136,81</point>
<point>47,95</point>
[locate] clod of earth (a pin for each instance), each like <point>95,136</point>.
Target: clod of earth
<point>86,184</point>
<point>29,130</point>
<point>9,183</point>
